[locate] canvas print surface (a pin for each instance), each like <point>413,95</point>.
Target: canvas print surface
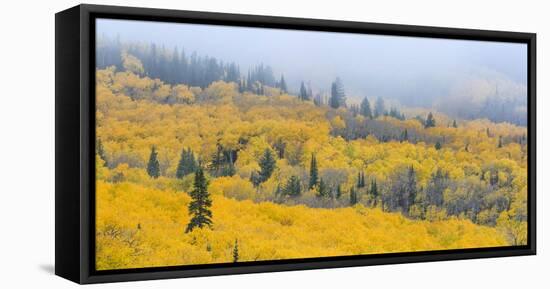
<point>218,144</point>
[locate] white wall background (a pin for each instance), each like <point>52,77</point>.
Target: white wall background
<point>27,144</point>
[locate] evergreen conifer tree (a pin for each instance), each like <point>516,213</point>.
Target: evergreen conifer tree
<point>187,163</point>
<point>352,196</point>
<point>218,161</point>
<point>267,165</point>
<point>313,172</point>
<point>282,85</point>
<point>153,166</point>
<point>365,110</point>
<point>404,135</point>
<point>293,186</point>
<point>181,165</point>
<point>303,92</point>
<point>255,178</point>
<point>337,94</point>
<point>322,189</point>
<point>373,191</point>
<point>379,107</point>
<point>430,121</point>
<point>236,251</point>
<point>360,180</point>
<point>199,207</point>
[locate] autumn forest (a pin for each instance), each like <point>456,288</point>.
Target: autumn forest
<point>202,161</point>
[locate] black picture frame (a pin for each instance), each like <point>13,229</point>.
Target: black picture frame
<point>75,142</point>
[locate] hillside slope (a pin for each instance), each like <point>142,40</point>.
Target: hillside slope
<point>143,227</point>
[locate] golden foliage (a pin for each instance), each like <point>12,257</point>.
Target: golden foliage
<point>141,221</point>
<point>139,226</point>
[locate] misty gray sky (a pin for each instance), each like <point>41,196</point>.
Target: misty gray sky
<point>412,70</point>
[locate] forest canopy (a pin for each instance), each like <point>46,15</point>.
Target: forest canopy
<point>203,164</point>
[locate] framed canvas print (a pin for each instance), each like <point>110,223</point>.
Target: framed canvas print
<point>193,144</point>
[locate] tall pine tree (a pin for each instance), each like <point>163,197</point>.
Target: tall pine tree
<point>365,110</point>
<point>153,166</point>
<point>337,94</point>
<point>322,189</point>
<point>352,196</point>
<point>404,136</point>
<point>430,121</point>
<point>236,251</point>
<point>199,207</point>
<point>313,172</point>
<point>293,186</point>
<point>373,192</point>
<point>379,107</point>
<point>282,85</point>
<point>187,164</point>
<point>180,170</point>
<point>267,165</point>
<point>360,179</point>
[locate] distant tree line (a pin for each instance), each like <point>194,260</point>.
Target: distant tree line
<point>174,66</point>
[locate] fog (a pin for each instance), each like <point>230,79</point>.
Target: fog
<point>461,77</point>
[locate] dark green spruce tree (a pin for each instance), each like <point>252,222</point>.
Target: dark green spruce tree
<point>337,94</point>
<point>365,109</point>
<point>153,166</point>
<point>267,165</point>
<point>236,251</point>
<point>293,187</point>
<point>187,164</point>
<point>322,189</point>
<point>373,192</point>
<point>282,85</point>
<point>218,161</point>
<point>430,121</point>
<point>352,196</point>
<point>313,172</point>
<point>255,178</point>
<point>180,170</point>
<point>199,207</point>
<point>360,180</point>
<point>404,136</point>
